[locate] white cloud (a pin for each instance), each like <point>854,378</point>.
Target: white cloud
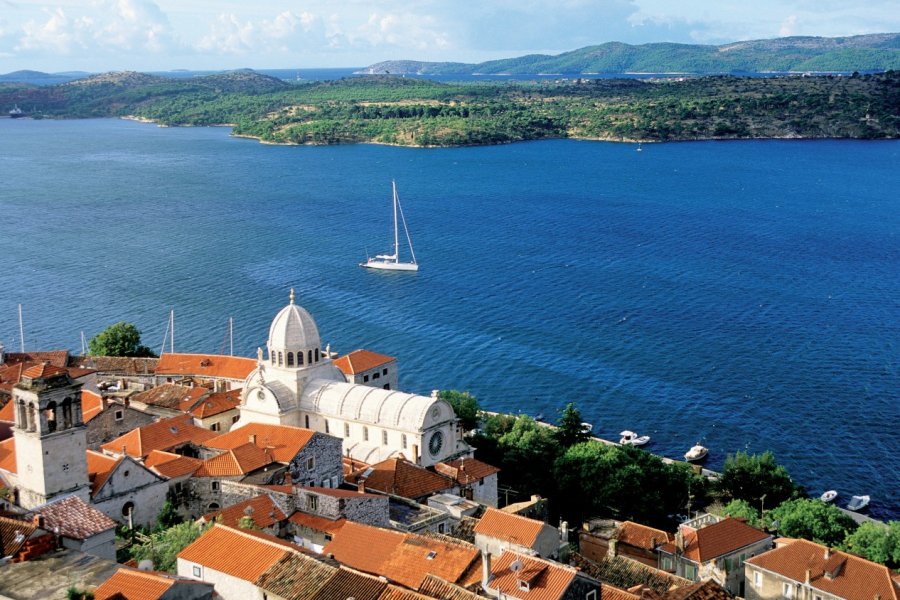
<point>788,26</point>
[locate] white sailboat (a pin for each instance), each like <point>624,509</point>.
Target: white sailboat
<point>391,262</point>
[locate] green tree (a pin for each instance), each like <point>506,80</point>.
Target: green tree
<point>465,405</point>
<point>750,476</point>
<point>741,509</point>
<point>168,516</point>
<point>119,339</point>
<point>812,520</point>
<point>163,546</point>
<point>876,542</point>
<point>570,430</point>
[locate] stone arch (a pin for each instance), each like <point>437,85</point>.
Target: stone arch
<point>50,416</point>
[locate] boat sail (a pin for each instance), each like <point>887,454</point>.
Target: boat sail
<point>391,262</point>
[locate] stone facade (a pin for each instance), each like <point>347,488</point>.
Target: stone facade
<point>227,586</point>
<point>134,489</point>
<point>115,420</point>
<point>319,463</point>
<point>103,544</point>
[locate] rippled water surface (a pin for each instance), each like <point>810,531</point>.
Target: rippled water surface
<point>745,294</point>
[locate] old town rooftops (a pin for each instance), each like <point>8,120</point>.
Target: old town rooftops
<point>283,441</point>
<point>73,518</point>
<point>164,434</point>
<point>205,365</point>
<point>717,540</point>
<point>509,527</point>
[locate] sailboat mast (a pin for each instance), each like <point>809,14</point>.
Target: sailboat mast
<point>396,237</point>
<point>22,327</point>
<point>172,336</point>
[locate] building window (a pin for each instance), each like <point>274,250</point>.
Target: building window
<point>198,571</point>
<point>591,595</point>
<point>384,371</point>
<point>127,509</point>
<point>307,421</point>
<point>787,590</point>
<point>666,563</point>
<point>213,506</point>
<point>300,359</point>
<point>365,378</point>
<point>690,572</point>
<point>387,386</point>
<point>327,428</point>
<point>235,418</point>
<point>441,527</point>
<point>403,440</point>
<point>310,463</point>
<point>757,578</point>
<point>120,414</point>
<point>384,437</point>
<point>328,537</point>
<point>376,375</point>
<point>215,427</point>
<point>365,433</point>
<point>290,361</point>
<point>215,486</point>
<point>280,359</point>
<point>317,355</point>
<point>334,481</point>
<point>346,430</point>
<point>817,597</point>
<point>309,357</point>
<point>312,503</point>
<point>326,483</point>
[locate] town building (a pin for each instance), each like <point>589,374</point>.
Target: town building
<point>498,531</point>
<point>133,584</point>
<point>107,418</point>
<point>125,490</point>
<point>78,526</point>
<point>512,575</point>
<point>600,538</point>
<point>365,367</point>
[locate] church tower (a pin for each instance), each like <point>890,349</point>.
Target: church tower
<point>50,436</point>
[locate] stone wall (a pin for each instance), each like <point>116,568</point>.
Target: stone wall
<point>318,464</point>
<point>114,421</point>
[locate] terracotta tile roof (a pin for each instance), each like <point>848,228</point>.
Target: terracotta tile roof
<point>296,577</point>
<point>361,360</point>
<point>466,470</point>
<point>718,539</point>
<point>855,578</point>
<point>393,592</point>
<point>316,523</point>
<point>13,535</point>
<point>283,441</point>
<point>641,536</point>
<point>241,460</point>
<point>118,365</point>
<point>91,405</point>
<point>509,527</point>
<point>339,493</point>
<point>436,587</point>
<point>57,358</point>
<point>164,434</point>
<point>132,584</point>
<point>351,464</point>
<point>169,395</point>
<point>8,412</point>
<point>349,584</point>
<point>237,552</point>
<point>43,371</point>
<point>704,590</point>
<point>547,580</point>
<point>74,518</point>
<point>205,365</point>
<point>12,373</point>
<point>261,509</point>
<point>171,465</point>
<point>216,404</point>
<point>404,558</point>
<point>8,455</point>
<point>100,467</point>
<point>401,477</point>
<point>611,592</point>
<point>79,372</point>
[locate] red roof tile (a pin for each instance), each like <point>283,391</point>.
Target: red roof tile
<point>855,579</point>
<point>43,371</point>
<point>171,465</point>
<point>283,441</point>
<point>404,558</point>
<point>296,577</point>
<point>466,470</point>
<point>8,455</point>
<point>241,460</point>
<point>261,509</point>
<point>172,396</point>
<point>547,580</point>
<point>57,358</point>
<point>132,584</point>
<point>74,518</point>
<point>100,467</point>
<point>216,404</point>
<point>361,360</point>
<point>237,552</point>
<point>401,477</point>
<point>164,434</point>
<point>611,592</point>
<point>91,405</point>
<point>717,540</point>
<point>509,527</point>
<point>13,534</point>
<point>8,412</point>
<point>641,536</point>
<point>205,365</point>
<point>316,523</point>
<point>345,584</point>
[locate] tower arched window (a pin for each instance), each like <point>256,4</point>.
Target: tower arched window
<point>290,359</point>
<point>300,358</point>
<point>22,420</point>
<point>309,358</point>
<point>67,420</point>
<point>317,355</point>
<point>272,357</point>
<point>280,359</point>
<point>30,414</point>
<point>50,417</point>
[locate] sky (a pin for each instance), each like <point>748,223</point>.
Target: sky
<point>162,35</point>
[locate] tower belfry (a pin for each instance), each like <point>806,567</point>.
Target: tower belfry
<point>50,436</point>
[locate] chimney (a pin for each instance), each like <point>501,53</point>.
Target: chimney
<point>827,553</point>
<point>613,547</point>
<point>253,438</point>
<point>415,453</point>
<point>679,541</point>
<point>38,521</point>
<point>485,569</point>
<point>361,485</point>
<point>808,575</point>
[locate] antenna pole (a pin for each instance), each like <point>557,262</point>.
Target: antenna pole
<point>396,238</point>
<point>172,337</point>
<point>21,332</point>
<point>231,336</point>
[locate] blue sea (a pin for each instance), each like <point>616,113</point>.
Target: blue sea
<point>741,294</point>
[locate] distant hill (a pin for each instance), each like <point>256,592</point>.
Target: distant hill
<point>39,78</point>
<point>874,52</point>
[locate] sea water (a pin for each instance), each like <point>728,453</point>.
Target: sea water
<point>740,294</point>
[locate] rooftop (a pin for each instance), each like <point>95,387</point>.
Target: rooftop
<point>509,527</point>
<point>546,580</point>
<point>718,539</point>
<point>282,441</point>
<point>237,552</point>
<point>171,465</point>
<point>205,365</point>
<point>73,518</point>
<point>237,461</point>
<point>261,509</point>
<point>133,584</point>
<point>641,536</point>
<point>361,360</point>
<point>169,395</point>
<point>466,470</point>
<point>215,404</point>
<point>401,477</point>
<point>164,434</point>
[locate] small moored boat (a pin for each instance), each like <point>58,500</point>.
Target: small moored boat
<point>858,503</point>
<point>696,453</point>
<point>630,438</point>
<point>587,427</point>
<point>828,496</point>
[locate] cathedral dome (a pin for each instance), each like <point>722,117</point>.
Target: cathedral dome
<point>293,328</point>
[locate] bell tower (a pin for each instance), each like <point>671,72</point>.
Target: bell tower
<point>50,436</point>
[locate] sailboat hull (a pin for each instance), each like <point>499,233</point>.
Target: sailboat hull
<point>390,266</point>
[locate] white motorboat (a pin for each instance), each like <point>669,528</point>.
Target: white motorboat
<point>828,496</point>
<point>696,453</point>
<point>587,427</point>
<point>630,438</point>
<point>391,262</point>
<point>858,503</point>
